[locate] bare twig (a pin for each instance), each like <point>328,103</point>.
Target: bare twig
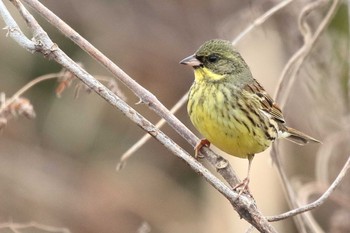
<point>305,31</point>
<point>261,19</point>
<point>257,22</point>
<point>319,201</point>
<point>17,105</point>
<point>17,227</point>
<point>144,228</point>
<point>338,196</point>
<point>291,69</point>
<point>243,204</point>
<point>146,137</point>
<point>110,83</point>
<point>249,229</point>
<point>14,31</point>
<point>26,88</point>
<point>348,48</point>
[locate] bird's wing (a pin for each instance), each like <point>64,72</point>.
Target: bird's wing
<point>267,104</point>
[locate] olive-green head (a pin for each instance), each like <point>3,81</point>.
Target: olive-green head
<point>219,56</point>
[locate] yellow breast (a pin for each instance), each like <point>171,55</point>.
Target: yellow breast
<point>216,114</point>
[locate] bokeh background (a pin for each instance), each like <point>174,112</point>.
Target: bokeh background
<point>59,169</point>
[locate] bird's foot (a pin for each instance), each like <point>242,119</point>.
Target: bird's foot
<point>200,144</point>
<point>243,186</point>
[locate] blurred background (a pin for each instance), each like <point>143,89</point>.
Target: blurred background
<point>59,169</point>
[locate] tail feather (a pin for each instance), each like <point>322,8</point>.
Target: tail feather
<point>298,137</point>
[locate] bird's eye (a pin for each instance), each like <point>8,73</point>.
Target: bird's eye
<point>213,58</point>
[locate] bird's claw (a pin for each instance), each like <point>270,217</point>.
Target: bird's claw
<point>243,186</point>
<point>200,144</point>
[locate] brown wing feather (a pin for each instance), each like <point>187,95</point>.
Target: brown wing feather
<point>271,109</point>
<point>267,103</point>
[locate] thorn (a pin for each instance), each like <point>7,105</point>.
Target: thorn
<point>7,28</point>
<point>139,102</point>
<point>120,166</point>
<point>54,47</point>
<point>3,123</point>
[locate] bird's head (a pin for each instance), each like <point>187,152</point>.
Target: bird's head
<point>218,57</point>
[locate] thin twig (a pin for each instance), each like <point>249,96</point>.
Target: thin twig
<point>249,229</point>
<point>14,31</point>
<point>309,190</point>
<point>291,69</point>
<point>260,20</point>
<point>40,79</point>
<point>244,205</point>
<point>348,48</point>
<point>146,137</point>
<point>16,227</point>
<point>319,201</point>
<point>27,87</point>
<point>305,31</point>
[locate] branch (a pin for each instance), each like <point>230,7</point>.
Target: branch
<point>29,85</point>
<point>14,31</point>
<point>145,96</point>
<point>262,19</point>
<point>17,227</point>
<point>348,86</point>
<point>319,201</point>
<point>292,67</point>
<point>244,205</point>
<point>17,105</point>
<point>146,137</point>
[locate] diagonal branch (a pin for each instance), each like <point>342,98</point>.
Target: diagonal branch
<point>260,20</point>
<point>145,96</point>
<point>244,205</point>
<point>146,137</point>
<point>319,201</point>
<point>16,227</point>
<point>291,69</point>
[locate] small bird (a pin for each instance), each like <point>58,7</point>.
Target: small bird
<point>230,108</point>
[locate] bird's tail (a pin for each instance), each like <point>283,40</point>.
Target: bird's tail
<point>298,137</point>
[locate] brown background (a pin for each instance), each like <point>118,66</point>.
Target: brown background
<point>59,169</point>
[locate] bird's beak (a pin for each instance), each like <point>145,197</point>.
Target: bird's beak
<point>191,61</point>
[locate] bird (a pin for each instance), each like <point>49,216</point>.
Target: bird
<point>229,107</point>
